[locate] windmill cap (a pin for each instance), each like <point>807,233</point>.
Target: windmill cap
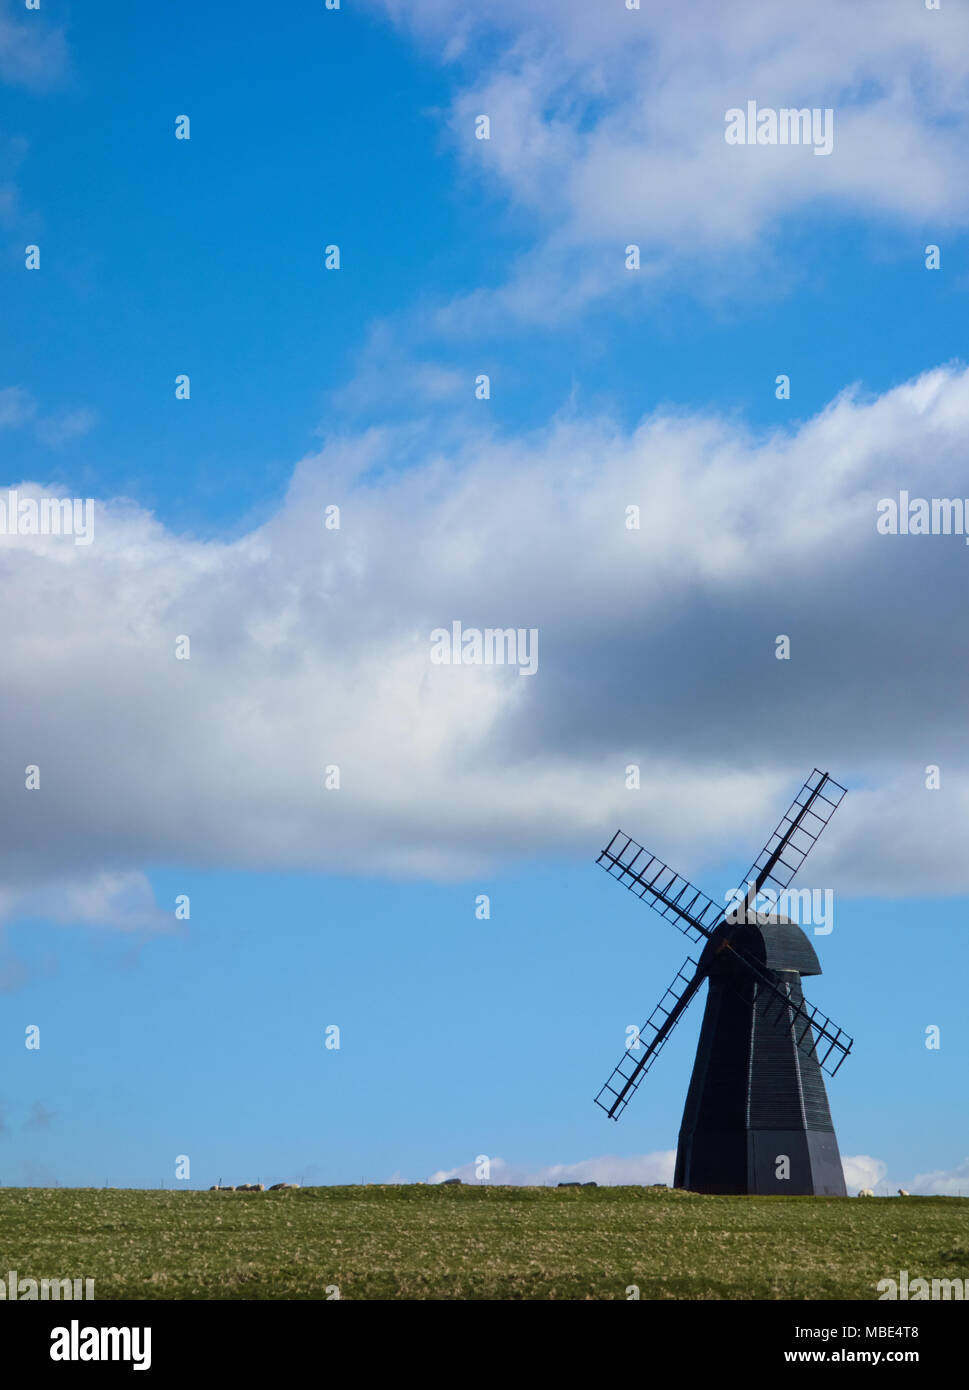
<point>781,943</point>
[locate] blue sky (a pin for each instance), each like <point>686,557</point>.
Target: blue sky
<point>160,256</point>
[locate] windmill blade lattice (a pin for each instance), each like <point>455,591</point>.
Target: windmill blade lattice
<point>666,891</point>
<point>815,1034</point>
<point>797,833</point>
<point>616,1094</point>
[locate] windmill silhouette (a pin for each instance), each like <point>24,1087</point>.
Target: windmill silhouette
<point>756,1118</point>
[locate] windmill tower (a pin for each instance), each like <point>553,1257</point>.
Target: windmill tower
<point>756,1118</point>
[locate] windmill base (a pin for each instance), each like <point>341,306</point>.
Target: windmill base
<point>765,1162</point>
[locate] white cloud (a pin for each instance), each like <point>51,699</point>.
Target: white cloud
<point>953,1182</point>
<point>311,648</point>
<point>119,899</point>
<point>864,1171</point>
<point>607,125</point>
<point>609,1170</point>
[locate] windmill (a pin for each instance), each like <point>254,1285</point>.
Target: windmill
<point>756,1118</point>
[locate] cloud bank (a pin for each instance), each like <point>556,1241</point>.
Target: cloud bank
<point>310,649</point>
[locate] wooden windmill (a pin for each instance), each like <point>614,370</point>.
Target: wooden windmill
<point>756,1118</point>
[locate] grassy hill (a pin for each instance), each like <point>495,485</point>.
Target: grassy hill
<point>473,1242</point>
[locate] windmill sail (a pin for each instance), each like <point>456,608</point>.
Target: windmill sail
<point>666,891</point>
<point>796,835</point>
<point>636,1062</point>
<point>815,1034</point>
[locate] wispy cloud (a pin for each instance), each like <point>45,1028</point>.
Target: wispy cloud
<point>120,899</point>
<point>951,1182</point>
<point>17,406</point>
<point>389,375</point>
<point>18,409</point>
<point>607,127</point>
<point>33,52</point>
<point>71,424</point>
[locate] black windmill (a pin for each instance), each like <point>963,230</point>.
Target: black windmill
<point>756,1118</point>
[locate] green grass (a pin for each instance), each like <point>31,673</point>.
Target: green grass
<point>477,1242</point>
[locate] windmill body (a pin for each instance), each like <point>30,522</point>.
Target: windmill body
<point>756,1118</point>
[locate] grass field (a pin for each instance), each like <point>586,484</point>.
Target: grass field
<point>417,1242</point>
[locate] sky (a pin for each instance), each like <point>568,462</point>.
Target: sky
<point>143,777</point>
